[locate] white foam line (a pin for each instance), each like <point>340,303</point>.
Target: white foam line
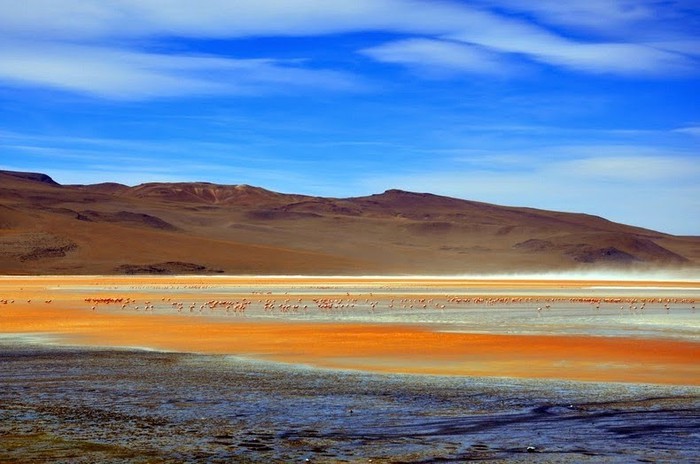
<point>31,338</point>
<point>688,275</point>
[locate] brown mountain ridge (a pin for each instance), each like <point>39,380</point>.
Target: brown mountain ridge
<point>199,227</point>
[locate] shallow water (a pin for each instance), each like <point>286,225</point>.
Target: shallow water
<point>564,319</point>
<point>86,405</point>
<point>563,316</point>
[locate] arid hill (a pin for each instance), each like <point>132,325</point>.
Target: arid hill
<point>180,228</point>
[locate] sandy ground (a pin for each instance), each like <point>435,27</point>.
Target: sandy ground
<point>144,312</point>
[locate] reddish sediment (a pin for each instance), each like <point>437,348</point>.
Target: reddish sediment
<point>387,348</point>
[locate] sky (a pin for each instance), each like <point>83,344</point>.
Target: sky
<point>581,105</point>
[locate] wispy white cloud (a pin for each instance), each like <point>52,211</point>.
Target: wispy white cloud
<point>437,57</point>
<point>689,130</point>
<point>594,57</point>
<point>125,74</point>
<point>631,168</point>
<point>90,151</point>
<point>90,46</point>
<point>492,53</point>
<point>689,47</point>
<point>601,15</point>
<point>96,19</point>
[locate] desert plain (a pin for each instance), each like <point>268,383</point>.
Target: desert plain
<point>617,355</point>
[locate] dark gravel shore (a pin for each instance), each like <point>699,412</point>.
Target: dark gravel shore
<point>65,405</point>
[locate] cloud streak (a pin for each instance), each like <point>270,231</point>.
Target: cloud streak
<point>98,20</point>
<point>689,130</point>
<point>124,74</point>
<point>439,57</point>
<point>625,169</point>
<point>92,47</point>
<point>607,16</point>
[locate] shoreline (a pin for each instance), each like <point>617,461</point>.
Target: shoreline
<point>68,405</point>
<point>44,343</point>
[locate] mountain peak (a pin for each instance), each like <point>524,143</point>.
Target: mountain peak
<point>32,176</point>
<point>202,192</point>
<point>399,192</point>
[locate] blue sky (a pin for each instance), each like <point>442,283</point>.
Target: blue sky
<point>580,105</point>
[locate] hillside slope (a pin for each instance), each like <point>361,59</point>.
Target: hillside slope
<point>47,228</point>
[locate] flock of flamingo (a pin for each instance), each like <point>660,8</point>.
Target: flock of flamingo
<point>282,304</point>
